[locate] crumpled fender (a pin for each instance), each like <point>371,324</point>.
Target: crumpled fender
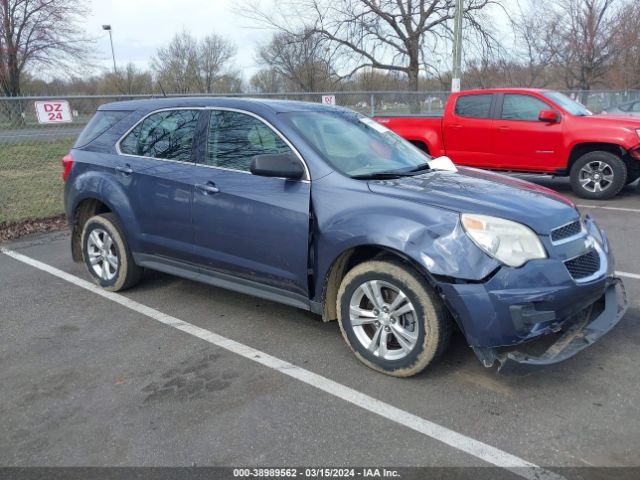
<point>430,236</point>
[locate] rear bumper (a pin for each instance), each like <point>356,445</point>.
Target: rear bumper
<point>578,333</point>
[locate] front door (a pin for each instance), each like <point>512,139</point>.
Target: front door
<point>522,141</point>
<point>248,226</point>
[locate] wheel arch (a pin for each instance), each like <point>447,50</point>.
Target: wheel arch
<point>421,144</point>
<point>581,149</point>
<point>347,260</point>
<point>83,211</point>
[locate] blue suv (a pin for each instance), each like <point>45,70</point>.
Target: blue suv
<point>324,209</point>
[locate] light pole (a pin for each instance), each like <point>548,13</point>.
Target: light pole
<point>457,47</point>
<point>113,54</point>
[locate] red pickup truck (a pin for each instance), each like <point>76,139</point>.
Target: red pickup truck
<point>534,131</point>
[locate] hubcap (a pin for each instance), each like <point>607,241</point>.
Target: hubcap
<point>103,255</point>
<point>596,176</point>
<point>384,320</point>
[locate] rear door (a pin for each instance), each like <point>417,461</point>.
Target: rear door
<point>522,142</point>
<point>252,227</point>
<point>155,167</point>
<point>468,130</point>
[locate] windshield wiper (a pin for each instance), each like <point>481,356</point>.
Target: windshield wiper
<point>389,174</point>
<point>420,168</point>
<point>380,175</point>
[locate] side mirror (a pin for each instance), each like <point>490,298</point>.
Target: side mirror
<point>277,165</point>
<point>549,116</point>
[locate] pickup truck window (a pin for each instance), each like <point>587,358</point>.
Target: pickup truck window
<point>474,106</point>
<point>167,135</point>
<point>522,107</point>
<point>356,145</point>
<point>235,138</point>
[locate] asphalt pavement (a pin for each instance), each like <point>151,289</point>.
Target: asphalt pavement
<point>87,380</point>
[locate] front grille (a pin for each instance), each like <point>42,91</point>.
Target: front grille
<point>584,265</point>
<point>566,231</point>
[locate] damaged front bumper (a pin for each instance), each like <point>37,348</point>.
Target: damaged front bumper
<point>579,333</point>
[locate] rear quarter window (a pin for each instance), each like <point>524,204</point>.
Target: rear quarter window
<point>474,106</point>
<point>99,123</point>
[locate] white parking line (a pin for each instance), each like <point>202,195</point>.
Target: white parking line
<point>619,209</point>
<point>628,275</point>
<point>430,429</point>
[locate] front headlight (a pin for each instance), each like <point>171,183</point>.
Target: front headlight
<point>509,242</point>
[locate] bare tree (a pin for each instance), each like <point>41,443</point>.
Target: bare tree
<point>391,35</point>
<point>577,37</point>
<point>267,80</point>
<point>625,71</point>
<point>214,54</point>
<point>187,65</point>
<point>588,40</point>
<point>127,80</point>
<point>37,33</point>
<point>304,60</point>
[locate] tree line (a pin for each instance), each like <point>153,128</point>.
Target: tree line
<point>343,45</point>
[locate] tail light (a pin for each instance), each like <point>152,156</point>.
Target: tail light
<point>67,163</point>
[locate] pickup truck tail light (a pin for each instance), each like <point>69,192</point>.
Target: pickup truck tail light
<point>67,163</point>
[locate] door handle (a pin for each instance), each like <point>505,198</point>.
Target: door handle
<point>455,125</point>
<point>503,128</point>
<point>207,188</point>
<point>125,170</point>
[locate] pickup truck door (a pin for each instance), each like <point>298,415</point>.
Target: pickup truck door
<point>250,227</point>
<point>468,130</point>
<point>522,141</point>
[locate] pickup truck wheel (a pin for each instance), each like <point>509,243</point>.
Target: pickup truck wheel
<point>391,318</point>
<point>106,254</point>
<point>598,175</point>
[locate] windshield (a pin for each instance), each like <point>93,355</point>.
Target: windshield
<point>571,106</point>
<point>357,145</point>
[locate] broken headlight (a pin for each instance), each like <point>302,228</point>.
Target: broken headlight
<point>511,243</point>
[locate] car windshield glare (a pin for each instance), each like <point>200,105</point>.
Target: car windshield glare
<point>356,145</point>
<point>569,105</point>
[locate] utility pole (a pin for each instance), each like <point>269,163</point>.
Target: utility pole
<point>457,47</point>
<point>113,54</point>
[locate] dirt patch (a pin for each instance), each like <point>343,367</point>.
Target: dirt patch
<point>13,230</point>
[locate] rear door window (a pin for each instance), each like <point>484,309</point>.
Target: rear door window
<point>235,138</point>
<point>102,121</point>
<point>167,135</point>
<point>474,106</point>
<point>522,107</point>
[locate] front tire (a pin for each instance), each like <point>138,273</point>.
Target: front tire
<point>598,175</point>
<point>391,319</point>
<point>106,254</point>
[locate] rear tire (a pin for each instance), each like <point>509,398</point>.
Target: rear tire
<point>106,254</point>
<point>401,344</point>
<point>598,175</point>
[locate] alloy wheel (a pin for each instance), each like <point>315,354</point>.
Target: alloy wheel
<point>596,176</point>
<point>384,320</point>
<point>103,255</point>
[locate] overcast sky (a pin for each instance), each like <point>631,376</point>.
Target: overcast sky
<point>141,26</point>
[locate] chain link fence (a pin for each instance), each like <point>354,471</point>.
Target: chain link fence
<point>30,152</point>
